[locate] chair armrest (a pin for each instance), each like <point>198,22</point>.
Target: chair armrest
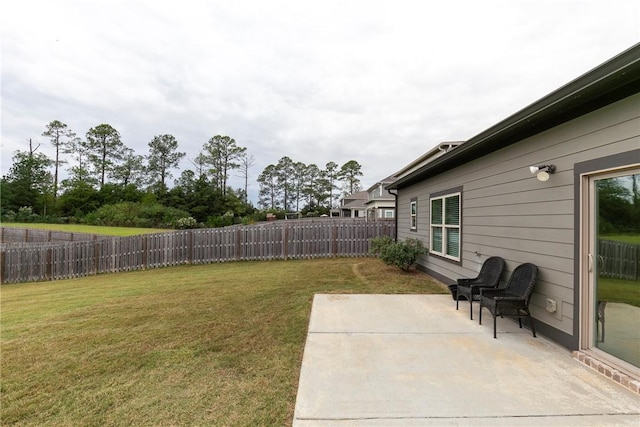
<point>500,295</point>
<point>499,298</point>
<point>466,282</point>
<point>481,286</point>
<point>496,293</point>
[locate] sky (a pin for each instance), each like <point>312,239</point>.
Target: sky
<point>379,82</point>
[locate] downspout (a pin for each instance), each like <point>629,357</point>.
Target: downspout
<point>395,217</point>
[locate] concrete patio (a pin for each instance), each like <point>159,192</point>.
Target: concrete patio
<point>413,360</point>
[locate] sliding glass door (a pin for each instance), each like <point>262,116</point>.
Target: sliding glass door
<point>613,287</point>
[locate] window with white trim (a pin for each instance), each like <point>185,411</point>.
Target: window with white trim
<point>414,214</point>
<point>388,213</point>
<point>445,225</point>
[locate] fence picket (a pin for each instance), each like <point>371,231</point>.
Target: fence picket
<point>619,260</point>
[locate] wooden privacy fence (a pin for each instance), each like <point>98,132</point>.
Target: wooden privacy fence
<point>25,262</point>
<point>619,260</point>
<point>29,235</point>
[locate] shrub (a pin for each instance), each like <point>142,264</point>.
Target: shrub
<point>26,214</point>
<point>9,216</point>
<point>379,244</point>
<point>186,223</point>
<point>248,220</point>
<point>133,214</point>
<point>401,254</point>
<point>216,221</point>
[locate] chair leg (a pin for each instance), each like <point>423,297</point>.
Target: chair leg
<point>457,300</point>
<point>600,318</point>
<point>533,328</point>
<point>480,314</point>
<point>520,322</point>
<point>471,307</point>
<point>494,327</point>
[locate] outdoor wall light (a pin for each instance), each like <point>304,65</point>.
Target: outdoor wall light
<point>542,172</point>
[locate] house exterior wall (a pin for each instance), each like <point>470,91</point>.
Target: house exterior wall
<point>383,213</point>
<point>380,203</point>
<point>382,208</point>
<point>357,213</point>
<point>507,212</point>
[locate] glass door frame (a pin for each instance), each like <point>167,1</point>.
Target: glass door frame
<point>588,265</point>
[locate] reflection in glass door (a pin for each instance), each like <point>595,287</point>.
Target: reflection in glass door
<point>616,266</point>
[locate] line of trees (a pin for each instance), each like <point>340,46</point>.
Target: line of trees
<point>292,186</point>
<point>101,170</point>
<point>619,205</point>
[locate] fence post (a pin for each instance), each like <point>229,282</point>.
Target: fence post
<point>49,264</point>
<point>3,266</point>
<point>637,263</point>
<point>285,243</point>
<point>145,256</point>
<point>334,235</point>
<point>96,257</point>
<point>238,244</point>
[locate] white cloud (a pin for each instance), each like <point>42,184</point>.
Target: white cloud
<point>376,81</point>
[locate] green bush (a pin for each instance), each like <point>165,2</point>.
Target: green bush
<point>225,220</point>
<point>26,214</point>
<point>379,244</point>
<point>248,220</point>
<point>186,223</point>
<point>133,214</point>
<point>401,254</point>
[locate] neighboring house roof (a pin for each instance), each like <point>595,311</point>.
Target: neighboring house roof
<point>384,182</point>
<point>384,199</point>
<point>354,201</point>
<point>381,204</point>
<point>612,81</point>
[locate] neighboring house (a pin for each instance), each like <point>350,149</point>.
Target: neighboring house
<point>481,199</point>
<point>352,206</point>
<point>380,203</point>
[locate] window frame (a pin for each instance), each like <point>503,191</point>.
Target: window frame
<point>413,214</point>
<point>443,226</point>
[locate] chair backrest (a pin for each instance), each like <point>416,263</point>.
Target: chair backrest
<point>522,280</point>
<point>491,271</point>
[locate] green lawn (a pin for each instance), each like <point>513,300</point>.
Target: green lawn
<point>619,290</point>
<point>633,239</point>
<point>91,229</point>
<point>219,344</point>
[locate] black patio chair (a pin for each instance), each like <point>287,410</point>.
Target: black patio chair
<point>513,300</point>
<point>489,277</point>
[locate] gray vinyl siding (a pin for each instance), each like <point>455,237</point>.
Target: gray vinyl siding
<point>508,212</point>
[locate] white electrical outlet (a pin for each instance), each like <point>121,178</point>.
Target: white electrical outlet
<point>551,305</point>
